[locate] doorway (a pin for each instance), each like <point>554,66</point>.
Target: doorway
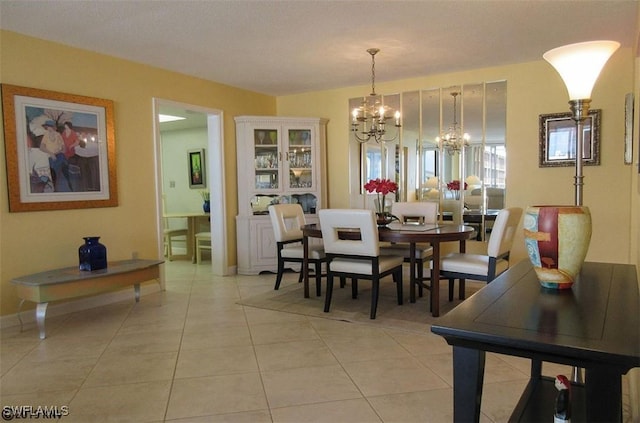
<point>209,122</point>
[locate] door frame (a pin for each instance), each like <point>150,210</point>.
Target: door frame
<point>216,181</point>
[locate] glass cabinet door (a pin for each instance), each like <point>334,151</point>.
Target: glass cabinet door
<point>266,164</point>
<point>300,159</point>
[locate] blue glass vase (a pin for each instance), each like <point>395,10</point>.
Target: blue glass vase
<point>92,254</point>
<point>206,206</point>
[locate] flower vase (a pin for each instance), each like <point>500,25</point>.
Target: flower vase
<point>383,219</point>
<point>92,255</point>
<point>206,206</point>
<point>557,240</point>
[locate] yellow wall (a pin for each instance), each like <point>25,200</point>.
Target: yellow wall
<point>635,190</point>
<point>35,241</point>
<point>38,241</point>
<point>533,88</point>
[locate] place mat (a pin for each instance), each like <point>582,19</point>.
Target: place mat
<point>413,227</point>
<point>409,316</point>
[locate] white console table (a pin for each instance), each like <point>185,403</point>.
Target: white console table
<point>70,282</point>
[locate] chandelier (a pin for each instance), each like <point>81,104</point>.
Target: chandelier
<point>453,140</point>
<point>370,119</point>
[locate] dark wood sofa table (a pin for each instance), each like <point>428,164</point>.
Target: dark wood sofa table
<point>595,326</point>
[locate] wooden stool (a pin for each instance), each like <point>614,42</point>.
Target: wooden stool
<point>203,242</point>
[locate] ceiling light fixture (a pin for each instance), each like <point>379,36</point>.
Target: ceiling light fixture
<point>369,120</point>
<point>453,140</point>
<point>169,118</point>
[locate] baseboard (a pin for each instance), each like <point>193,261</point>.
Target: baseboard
<point>28,315</point>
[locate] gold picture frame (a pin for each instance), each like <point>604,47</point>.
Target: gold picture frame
<point>75,167</point>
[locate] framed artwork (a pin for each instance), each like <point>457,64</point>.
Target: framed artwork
<point>557,139</point>
<point>628,128</point>
<point>196,168</point>
<point>60,150</point>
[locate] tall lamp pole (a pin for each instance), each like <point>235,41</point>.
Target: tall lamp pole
<point>579,65</point>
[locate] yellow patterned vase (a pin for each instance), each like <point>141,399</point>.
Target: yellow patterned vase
<point>557,240</point>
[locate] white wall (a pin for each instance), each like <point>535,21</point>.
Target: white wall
<point>179,197</point>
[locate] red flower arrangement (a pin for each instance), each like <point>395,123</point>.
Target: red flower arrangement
<point>455,185</point>
<point>381,187</point>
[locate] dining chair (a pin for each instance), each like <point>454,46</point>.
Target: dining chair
<point>421,212</point>
<point>171,235</point>
<point>483,267</point>
<point>357,258</point>
<point>203,242</point>
<point>287,220</point>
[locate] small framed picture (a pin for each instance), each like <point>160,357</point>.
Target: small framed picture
<point>197,177</point>
<point>558,136</point>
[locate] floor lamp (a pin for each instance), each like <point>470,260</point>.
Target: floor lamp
<point>579,66</point>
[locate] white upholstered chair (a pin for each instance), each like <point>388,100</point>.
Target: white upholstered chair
<point>422,212</point>
<point>287,220</point>
<point>358,258</point>
<point>483,267</point>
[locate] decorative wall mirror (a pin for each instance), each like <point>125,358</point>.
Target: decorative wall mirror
<point>557,142</point>
<point>370,162</point>
<point>415,161</point>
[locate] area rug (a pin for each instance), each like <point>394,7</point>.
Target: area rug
<point>409,316</point>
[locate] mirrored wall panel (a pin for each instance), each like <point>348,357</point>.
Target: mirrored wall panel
<point>451,148</point>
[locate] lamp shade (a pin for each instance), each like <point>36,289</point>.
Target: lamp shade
<point>580,64</point>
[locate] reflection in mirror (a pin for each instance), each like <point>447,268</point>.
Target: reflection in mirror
<point>409,165</point>
<point>428,180</point>
<point>379,160</point>
<point>415,162</point>
<point>371,162</point>
<point>482,114</point>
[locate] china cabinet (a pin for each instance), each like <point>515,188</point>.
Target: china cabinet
<point>280,160</point>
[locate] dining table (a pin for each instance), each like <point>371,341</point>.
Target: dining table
<point>411,234</point>
<point>192,225</point>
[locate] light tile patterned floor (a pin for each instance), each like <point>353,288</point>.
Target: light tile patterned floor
<point>192,354</point>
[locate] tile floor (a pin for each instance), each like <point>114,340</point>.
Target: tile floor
<point>191,354</point>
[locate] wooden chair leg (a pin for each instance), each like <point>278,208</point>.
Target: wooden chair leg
<point>169,249</point>
<point>451,283</point>
<point>420,281</point>
<point>318,270</point>
<point>327,298</point>
<point>397,277</point>
<point>354,288</point>
<point>461,289</point>
<point>279,276</point>
<point>375,290</point>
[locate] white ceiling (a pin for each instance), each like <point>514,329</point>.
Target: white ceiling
<point>287,47</point>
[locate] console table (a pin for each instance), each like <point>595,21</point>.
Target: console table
<point>70,282</point>
<point>594,325</point>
